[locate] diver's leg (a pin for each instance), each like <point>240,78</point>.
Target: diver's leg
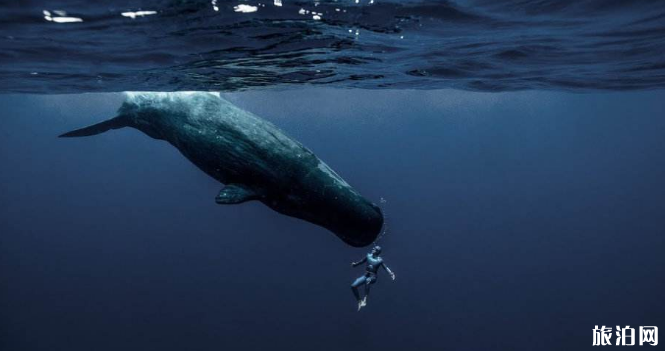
<point>355,293</point>
<point>362,303</point>
<point>354,288</point>
<point>368,285</point>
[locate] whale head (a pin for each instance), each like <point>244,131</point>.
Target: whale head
<point>324,198</point>
<point>357,224</point>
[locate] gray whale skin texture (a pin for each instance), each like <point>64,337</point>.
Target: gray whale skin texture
<point>252,157</point>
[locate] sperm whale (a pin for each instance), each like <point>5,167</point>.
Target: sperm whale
<point>251,157</point>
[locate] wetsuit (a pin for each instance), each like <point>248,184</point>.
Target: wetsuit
<point>374,262</point>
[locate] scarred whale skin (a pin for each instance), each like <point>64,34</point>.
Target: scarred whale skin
<point>252,157</point>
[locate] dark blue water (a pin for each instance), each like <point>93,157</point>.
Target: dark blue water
<point>481,45</point>
<point>517,221</point>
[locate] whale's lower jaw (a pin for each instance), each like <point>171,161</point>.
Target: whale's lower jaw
<point>356,232</point>
<point>352,230</point>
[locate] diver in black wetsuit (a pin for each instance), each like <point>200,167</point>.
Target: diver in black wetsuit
<point>374,262</point>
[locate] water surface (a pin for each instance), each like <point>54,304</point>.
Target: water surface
<point>223,45</point>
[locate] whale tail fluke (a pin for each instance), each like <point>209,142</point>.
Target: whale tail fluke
<point>101,127</point>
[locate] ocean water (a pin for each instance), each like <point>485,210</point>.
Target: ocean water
<point>516,145</point>
<point>481,45</point>
<point>515,221</point>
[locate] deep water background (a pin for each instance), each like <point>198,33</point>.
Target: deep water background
<point>517,221</point>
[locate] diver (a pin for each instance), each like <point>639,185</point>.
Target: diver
<point>374,262</point>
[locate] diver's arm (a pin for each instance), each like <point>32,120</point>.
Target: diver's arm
<point>355,264</point>
<point>392,275</point>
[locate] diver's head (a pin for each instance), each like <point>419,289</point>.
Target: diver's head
<point>376,251</point>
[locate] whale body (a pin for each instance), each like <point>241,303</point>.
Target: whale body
<point>251,157</point>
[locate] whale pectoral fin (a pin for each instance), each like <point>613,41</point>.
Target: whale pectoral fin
<point>235,194</point>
